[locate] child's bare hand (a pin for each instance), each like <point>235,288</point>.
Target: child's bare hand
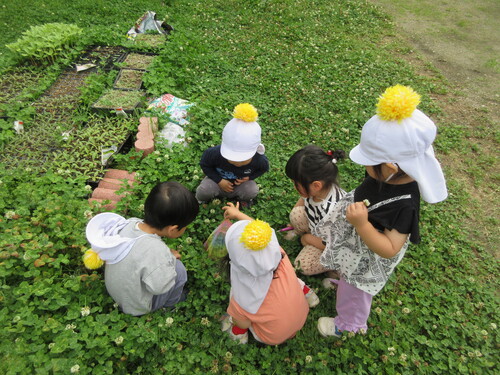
<point>226,185</point>
<point>357,214</point>
<point>176,254</point>
<point>231,211</point>
<point>239,181</point>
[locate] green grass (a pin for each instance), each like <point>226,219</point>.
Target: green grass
<point>314,70</point>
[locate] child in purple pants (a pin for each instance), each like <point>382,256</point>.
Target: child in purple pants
<point>368,230</point>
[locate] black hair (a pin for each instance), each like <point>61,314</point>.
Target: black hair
<point>170,203</point>
<point>311,164</point>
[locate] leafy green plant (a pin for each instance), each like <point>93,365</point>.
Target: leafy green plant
<point>46,42</point>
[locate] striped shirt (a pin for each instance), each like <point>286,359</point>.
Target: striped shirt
<point>315,211</point>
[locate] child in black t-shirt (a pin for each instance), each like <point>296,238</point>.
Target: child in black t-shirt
<point>368,231</point>
<point>232,167</point>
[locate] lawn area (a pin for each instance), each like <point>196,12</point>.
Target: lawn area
<point>314,70</point>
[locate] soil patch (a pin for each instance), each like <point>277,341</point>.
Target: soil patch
<point>461,42</point>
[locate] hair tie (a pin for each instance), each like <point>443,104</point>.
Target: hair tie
<point>330,154</point>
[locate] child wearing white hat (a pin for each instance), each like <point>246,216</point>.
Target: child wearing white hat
<point>266,297</point>
<point>368,231</point>
<point>142,274</point>
<point>232,167</point>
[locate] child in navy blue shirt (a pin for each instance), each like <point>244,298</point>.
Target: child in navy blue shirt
<point>232,167</point>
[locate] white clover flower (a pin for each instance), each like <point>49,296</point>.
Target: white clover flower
<point>484,332</point>
<point>351,334</point>
<point>378,310</point>
<point>471,279</point>
<point>158,160</point>
<point>157,152</point>
<point>205,321</point>
<point>141,207</point>
<point>391,350</point>
<point>1,182</point>
<point>85,310</point>
<point>119,340</point>
<point>399,302</point>
<point>88,214</point>
<point>207,221</point>
<point>478,353</point>
<point>189,240</point>
<point>88,187</point>
<point>10,214</point>
<point>51,345</point>
<point>216,201</point>
<point>470,354</point>
<point>434,326</point>
<point>196,177</point>
<point>115,305</point>
<point>403,357</point>
<point>493,325</point>
<point>189,139</point>
<point>212,211</point>
<point>228,356</point>
<point>169,321</point>
<point>309,359</point>
<point>362,331</point>
<point>75,369</point>
<point>167,156</point>
<point>406,310</point>
<point>28,169</point>
<point>70,326</point>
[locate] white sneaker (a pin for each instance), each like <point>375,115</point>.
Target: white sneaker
<point>227,326</point>
<point>226,322</point>
<point>329,283</point>
<point>312,298</point>
<point>241,338</point>
<point>327,327</point>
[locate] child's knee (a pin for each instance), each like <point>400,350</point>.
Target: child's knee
<point>248,190</point>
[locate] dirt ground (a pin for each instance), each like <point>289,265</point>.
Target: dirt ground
<point>461,40</point>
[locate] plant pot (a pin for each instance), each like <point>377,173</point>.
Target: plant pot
<point>129,79</point>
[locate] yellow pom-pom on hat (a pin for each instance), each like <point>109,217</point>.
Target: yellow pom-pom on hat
<point>397,103</point>
<point>256,235</point>
<point>91,260</point>
<point>245,112</point>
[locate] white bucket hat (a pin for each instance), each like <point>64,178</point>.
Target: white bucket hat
<point>404,137</point>
<point>102,232</point>
<point>241,136</point>
<point>251,270</point>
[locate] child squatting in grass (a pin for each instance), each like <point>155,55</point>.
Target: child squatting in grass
<point>141,273</point>
<point>232,167</point>
<point>365,244</point>
<point>266,296</point>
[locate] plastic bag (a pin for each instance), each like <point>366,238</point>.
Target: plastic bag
<point>170,108</point>
<point>147,22</point>
<point>215,244</point>
<point>172,133</point>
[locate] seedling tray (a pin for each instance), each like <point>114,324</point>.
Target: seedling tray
<point>136,60</point>
<point>103,57</point>
<point>129,79</point>
<point>129,101</point>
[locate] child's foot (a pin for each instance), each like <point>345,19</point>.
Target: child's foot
<point>312,298</point>
<point>227,326</point>
<point>327,327</point>
<point>242,338</point>
<point>329,283</point>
